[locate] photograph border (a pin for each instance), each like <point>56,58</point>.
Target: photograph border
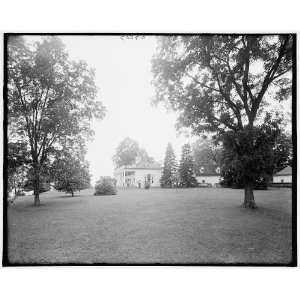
<point>292,263</point>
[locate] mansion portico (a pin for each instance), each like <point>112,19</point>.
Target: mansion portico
<point>137,176</point>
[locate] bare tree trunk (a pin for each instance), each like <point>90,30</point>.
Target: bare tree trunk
<point>249,201</point>
<point>36,186</point>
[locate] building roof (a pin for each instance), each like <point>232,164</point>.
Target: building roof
<point>286,171</point>
<point>144,168</point>
<point>152,166</point>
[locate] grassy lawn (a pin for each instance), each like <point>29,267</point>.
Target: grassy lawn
<point>151,226</point>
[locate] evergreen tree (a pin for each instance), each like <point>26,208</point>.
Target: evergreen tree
<point>186,168</point>
<point>169,177</point>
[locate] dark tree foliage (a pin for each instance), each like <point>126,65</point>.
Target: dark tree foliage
<point>169,172</point>
<point>223,83</point>
<point>271,153</point>
<point>17,155</point>
<point>186,168</point>
<point>207,154</point>
<point>44,184</point>
<point>283,152</point>
<point>70,173</point>
<point>250,157</point>
<point>126,153</point>
<point>18,160</point>
<point>129,153</point>
<point>51,99</point>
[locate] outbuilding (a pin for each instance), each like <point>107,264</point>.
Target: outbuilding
<point>208,175</point>
<point>137,176</point>
<point>283,176</point>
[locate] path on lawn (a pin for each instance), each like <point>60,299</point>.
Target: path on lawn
<point>151,226</point>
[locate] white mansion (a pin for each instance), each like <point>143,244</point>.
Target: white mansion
<point>137,176</point>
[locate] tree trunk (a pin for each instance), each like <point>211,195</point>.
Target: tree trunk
<point>36,186</point>
<point>37,201</point>
<point>249,201</point>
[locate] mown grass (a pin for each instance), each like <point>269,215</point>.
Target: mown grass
<point>166,226</point>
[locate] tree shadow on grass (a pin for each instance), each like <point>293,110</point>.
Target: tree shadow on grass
<point>68,196</point>
<point>59,202</point>
<point>266,212</point>
<point>47,203</point>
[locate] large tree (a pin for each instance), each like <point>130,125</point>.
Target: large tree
<point>126,153</point>
<point>223,83</point>
<point>186,168</point>
<point>169,172</point>
<point>129,153</point>
<point>51,99</point>
<point>143,158</point>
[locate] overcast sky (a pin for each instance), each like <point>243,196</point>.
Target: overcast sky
<point>123,76</point>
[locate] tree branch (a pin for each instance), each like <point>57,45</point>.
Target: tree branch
<point>246,88</point>
<point>267,80</point>
<point>200,83</point>
<point>231,126</point>
<point>282,73</point>
<point>231,104</point>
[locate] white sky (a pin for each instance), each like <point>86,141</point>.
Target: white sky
<point>123,76</point>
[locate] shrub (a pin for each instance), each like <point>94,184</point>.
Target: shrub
<point>105,186</point>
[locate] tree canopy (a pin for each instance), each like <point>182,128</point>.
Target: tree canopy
<point>129,153</point>
<point>51,99</point>
<point>220,82</point>
<point>255,156</point>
